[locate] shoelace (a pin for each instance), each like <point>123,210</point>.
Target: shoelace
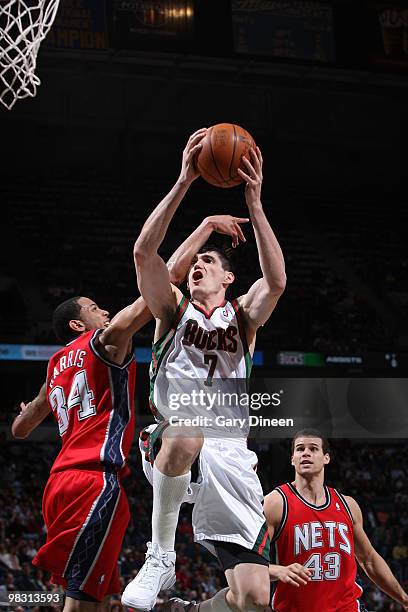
<point>148,574</point>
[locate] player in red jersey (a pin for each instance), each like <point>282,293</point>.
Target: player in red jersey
<point>316,527</point>
<point>90,389</point>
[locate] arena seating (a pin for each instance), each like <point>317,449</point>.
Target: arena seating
<point>369,472</point>
<point>346,282</point>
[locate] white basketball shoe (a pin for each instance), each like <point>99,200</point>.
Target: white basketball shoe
<point>158,573</point>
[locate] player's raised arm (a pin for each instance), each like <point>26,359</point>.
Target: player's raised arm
<point>372,563</point>
<point>115,339</point>
<point>180,262</point>
<point>31,415</point>
<point>152,273</point>
<point>262,297</point>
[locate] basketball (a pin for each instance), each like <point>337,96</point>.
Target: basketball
<point>224,145</point>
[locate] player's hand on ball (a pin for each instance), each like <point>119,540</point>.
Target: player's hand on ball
<point>230,226</point>
<point>188,170</point>
<point>252,176</point>
<point>294,574</point>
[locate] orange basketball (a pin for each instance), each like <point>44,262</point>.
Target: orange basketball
<point>218,160</point>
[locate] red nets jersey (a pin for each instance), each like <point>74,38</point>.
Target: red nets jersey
<point>321,539</point>
<point>93,402</point>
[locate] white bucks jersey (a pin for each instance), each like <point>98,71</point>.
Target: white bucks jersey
<point>199,371</point>
<point>200,368</point>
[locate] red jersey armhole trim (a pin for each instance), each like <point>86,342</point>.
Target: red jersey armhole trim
<point>284,517</point>
<point>106,361</point>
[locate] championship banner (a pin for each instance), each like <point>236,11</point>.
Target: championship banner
<point>388,35</point>
<point>150,24</point>
<point>293,30</point>
<point>79,24</point>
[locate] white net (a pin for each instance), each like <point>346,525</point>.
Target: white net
<point>23,25</point>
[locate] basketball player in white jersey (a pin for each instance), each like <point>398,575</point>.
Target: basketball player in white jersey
<point>207,338</point>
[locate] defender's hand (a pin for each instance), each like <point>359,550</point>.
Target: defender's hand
<point>188,171</point>
<point>294,574</point>
<point>230,226</point>
<point>253,177</point>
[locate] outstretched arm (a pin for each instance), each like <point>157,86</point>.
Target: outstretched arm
<point>152,273</point>
<point>115,342</point>
<point>180,262</point>
<point>115,339</point>
<point>372,563</point>
<point>31,415</point>
<point>155,278</point>
<point>262,297</point>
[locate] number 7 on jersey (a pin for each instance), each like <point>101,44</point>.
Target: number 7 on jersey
<point>210,360</point>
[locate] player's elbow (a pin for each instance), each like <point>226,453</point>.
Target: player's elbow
<point>139,252</point>
<point>280,283</point>
<point>144,248</point>
<point>276,285</point>
<point>367,561</point>
<point>175,277</point>
<point>18,431</point>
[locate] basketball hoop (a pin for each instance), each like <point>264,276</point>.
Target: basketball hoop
<point>23,26</point>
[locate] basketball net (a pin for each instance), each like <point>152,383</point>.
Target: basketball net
<point>23,26</point>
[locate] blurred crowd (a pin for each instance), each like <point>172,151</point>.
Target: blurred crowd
<point>374,474</point>
<point>343,293</point>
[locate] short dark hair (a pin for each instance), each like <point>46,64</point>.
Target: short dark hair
<point>311,433</point>
<point>63,314</point>
<point>223,252</point>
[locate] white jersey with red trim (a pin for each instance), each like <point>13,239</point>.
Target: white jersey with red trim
<point>200,368</point>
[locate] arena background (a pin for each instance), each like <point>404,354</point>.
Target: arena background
<point>323,88</point>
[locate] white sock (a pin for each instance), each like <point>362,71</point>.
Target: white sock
<point>218,603</point>
<point>168,493</point>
